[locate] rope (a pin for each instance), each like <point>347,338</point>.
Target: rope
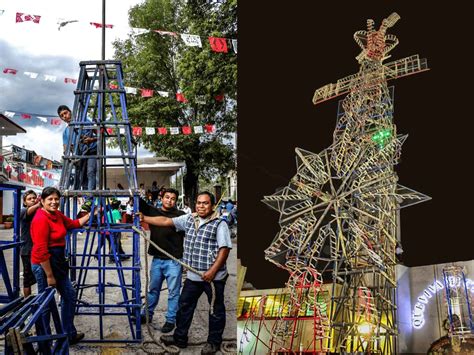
<point>186,266</point>
<point>165,349</point>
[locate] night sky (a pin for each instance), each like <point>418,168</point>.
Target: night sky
<point>289,49</point>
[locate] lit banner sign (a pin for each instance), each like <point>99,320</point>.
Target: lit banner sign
<point>418,313</point>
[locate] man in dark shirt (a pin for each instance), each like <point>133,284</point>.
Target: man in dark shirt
<point>163,267</point>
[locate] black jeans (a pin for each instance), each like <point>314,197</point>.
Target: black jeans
<point>190,294</point>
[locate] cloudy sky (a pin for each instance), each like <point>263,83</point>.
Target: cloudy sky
<point>42,48</point>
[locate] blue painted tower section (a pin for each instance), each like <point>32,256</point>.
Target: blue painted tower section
<point>100,112</point>
<point>11,281</point>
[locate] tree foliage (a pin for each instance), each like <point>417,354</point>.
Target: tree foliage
<point>165,63</point>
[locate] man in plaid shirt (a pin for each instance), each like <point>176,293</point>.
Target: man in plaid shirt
<point>206,247</point>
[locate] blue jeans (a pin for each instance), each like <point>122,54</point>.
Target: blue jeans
<point>68,299</point>
<point>160,270</point>
<point>190,294</point>
<point>91,173</point>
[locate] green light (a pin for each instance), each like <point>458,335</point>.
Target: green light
<point>381,137</point>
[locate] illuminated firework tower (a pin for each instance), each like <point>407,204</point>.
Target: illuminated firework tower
<point>338,214</point>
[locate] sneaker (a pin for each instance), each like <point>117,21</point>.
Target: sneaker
<point>209,349</point>
<point>169,340</point>
<point>76,339</point>
<point>167,327</point>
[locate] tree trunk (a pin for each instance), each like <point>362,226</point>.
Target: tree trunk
<point>190,183</point>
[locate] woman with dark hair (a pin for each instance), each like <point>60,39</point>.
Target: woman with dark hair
<point>30,204</point>
<point>50,267</point>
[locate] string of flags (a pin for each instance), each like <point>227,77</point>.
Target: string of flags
<point>136,130</point>
<point>217,44</point>
<point>129,90</point>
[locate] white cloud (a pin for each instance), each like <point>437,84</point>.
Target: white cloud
<point>42,48</point>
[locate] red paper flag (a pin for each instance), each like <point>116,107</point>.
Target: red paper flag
<point>21,17</point>
<point>219,98</point>
<point>186,129</point>
<point>10,71</point>
<point>137,131</point>
<point>110,130</point>
<point>147,92</point>
<point>162,130</point>
<point>210,128</point>
<point>180,97</point>
<point>56,121</point>
<point>99,25</point>
<point>70,80</point>
<point>113,86</point>
<point>218,44</point>
<point>25,116</point>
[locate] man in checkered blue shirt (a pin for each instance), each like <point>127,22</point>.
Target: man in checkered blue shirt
<point>206,247</point>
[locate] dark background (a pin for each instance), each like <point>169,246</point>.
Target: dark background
<point>289,49</point>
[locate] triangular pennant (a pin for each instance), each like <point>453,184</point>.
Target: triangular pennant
<point>137,131</point>
<point>186,130</point>
<point>174,130</point>
<point>56,121</point>
<point>218,44</point>
<point>113,86</point>
<point>109,130</point>
<point>25,116</point>
<point>162,130</point>
<point>163,93</point>
<point>9,114</point>
<point>42,119</point>
<point>149,131</point>
<point>191,40</point>
<point>63,22</point>
<point>198,129</point>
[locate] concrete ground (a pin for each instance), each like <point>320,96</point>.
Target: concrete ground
<point>116,327</point>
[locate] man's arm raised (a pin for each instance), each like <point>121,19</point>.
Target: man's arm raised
<point>159,221</point>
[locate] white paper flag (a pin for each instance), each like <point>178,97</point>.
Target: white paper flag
<point>234,45</point>
<point>174,130</point>
<point>42,119</point>
<point>149,131</point>
<point>163,93</point>
<point>201,100</point>
<point>31,75</point>
<point>139,31</point>
<point>9,114</point>
<point>1,12</point>
<point>122,130</point>
<point>49,78</point>
<point>198,129</point>
<point>191,40</point>
<point>130,90</point>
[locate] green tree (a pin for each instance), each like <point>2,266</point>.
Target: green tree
<point>165,63</point>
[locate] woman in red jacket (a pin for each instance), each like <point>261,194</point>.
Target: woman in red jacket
<point>48,233</point>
